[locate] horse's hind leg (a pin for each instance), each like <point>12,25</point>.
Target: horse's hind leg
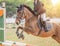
<point>56,38</point>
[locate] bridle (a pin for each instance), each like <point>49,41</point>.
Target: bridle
<point>22,14</point>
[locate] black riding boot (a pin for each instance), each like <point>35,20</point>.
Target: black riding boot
<point>44,25</point>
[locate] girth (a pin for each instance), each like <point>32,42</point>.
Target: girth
<point>40,24</point>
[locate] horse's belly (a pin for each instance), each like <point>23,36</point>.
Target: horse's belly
<point>46,34</point>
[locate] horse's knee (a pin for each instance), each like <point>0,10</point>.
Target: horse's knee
<point>18,29</point>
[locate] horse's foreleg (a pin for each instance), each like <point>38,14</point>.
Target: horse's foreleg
<point>17,31</point>
<point>21,35</point>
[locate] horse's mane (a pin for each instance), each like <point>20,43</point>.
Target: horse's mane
<point>29,9</point>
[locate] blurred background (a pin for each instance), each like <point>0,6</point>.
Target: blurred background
<point>52,10</point>
<point>52,6</point>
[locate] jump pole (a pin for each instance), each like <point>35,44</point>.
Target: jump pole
<point>2,22</point>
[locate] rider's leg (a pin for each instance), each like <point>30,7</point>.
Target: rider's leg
<point>40,22</point>
<point>43,16</point>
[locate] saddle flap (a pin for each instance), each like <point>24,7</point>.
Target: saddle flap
<point>48,25</point>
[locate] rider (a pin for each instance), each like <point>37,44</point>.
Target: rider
<point>39,9</point>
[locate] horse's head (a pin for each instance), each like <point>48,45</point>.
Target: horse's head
<point>23,12</point>
<point>20,14</point>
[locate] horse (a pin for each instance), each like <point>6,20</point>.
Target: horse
<point>31,24</point>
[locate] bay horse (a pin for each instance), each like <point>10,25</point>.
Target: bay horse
<point>31,26</point>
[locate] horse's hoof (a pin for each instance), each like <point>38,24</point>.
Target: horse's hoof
<point>23,38</point>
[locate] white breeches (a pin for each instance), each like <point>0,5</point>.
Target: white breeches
<point>43,16</point>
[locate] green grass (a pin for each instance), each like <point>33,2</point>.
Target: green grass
<point>30,39</point>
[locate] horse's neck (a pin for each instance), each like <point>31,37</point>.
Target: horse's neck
<point>31,24</point>
<point>28,14</point>
<point>30,17</point>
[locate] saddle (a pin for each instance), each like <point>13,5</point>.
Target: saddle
<point>42,24</point>
<point>48,25</point>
